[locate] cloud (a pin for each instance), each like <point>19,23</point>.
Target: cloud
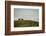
<point>27,14</point>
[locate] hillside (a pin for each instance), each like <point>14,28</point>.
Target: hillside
<point>26,23</point>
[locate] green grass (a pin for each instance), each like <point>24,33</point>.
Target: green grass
<point>25,23</point>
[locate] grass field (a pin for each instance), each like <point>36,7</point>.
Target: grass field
<point>26,23</point>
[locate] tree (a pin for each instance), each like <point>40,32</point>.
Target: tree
<point>22,19</point>
<point>18,19</point>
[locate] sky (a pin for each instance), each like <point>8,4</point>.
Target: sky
<point>26,14</point>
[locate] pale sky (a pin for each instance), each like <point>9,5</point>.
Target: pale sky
<point>26,14</point>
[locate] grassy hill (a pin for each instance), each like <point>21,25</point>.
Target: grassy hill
<point>26,23</point>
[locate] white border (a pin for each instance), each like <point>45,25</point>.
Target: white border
<point>25,28</point>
